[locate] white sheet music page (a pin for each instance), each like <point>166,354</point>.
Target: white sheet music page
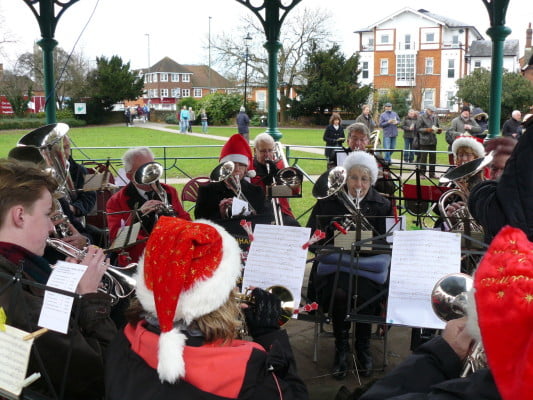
<point>419,260</point>
<point>14,358</point>
<point>55,313</point>
<point>276,258</point>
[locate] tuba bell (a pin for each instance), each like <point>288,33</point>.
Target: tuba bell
<point>449,299</point>
<point>149,174</point>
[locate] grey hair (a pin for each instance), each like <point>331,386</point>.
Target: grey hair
<point>129,156</point>
<point>263,138</point>
<point>358,127</point>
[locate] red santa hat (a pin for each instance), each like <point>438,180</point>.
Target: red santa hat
<point>188,270</point>
<point>237,149</point>
<point>503,294</point>
<point>468,141</point>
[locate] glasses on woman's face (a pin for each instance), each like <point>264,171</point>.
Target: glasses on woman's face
<point>465,156</point>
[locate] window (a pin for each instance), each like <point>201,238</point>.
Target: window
<point>407,45</point>
<point>450,96</point>
<point>261,99</point>
<point>405,68</point>
<point>384,39</point>
<point>185,78</point>
<point>383,66</point>
<point>148,78</point>
<point>428,98</point>
<point>164,92</point>
<point>197,92</point>
<point>154,93</point>
<point>175,77</point>
<point>429,65</point>
<point>185,92</point>
<point>477,64</point>
<point>213,90</point>
<point>175,92</point>
<point>430,37</point>
<point>451,68</point>
<point>455,39</point>
<point>365,70</point>
<point>154,77</point>
<point>164,77</point>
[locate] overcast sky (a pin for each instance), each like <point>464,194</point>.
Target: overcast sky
<point>179,28</point>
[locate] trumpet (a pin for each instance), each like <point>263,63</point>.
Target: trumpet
<point>149,174</point>
<point>281,292</point>
<point>115,283</point>
<point>449,300</point>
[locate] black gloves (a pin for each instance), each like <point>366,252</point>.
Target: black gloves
<point>262,316</point>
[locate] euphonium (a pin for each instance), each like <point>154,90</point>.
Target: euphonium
<point>115,283</point>
<point>449,300</point>
<point>459,176</point>
<point>223,172</point>
<point>149,174</point>
<point>332,183</point>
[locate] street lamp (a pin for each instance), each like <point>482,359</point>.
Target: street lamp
<point>247,40</point>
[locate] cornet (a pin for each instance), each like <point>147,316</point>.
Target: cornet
<point>115,283</point>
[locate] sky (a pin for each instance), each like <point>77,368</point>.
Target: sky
<point>148,30</point>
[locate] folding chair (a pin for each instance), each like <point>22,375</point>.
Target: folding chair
<point>190,190</point>
<point>419,200</point>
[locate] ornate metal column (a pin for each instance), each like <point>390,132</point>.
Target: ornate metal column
<point>47,20</point>
<point>272,22</point>
<point>498,32</point>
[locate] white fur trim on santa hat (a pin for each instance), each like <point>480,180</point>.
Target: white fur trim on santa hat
<point>240,158</point>
<point>204,296</point>
<point>251,173</point>
<point>466,141</point>
<point>361,158</point>
<point>171,366</point>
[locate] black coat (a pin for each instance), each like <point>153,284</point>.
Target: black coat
<point>331,136</point>
<point>83,201</point>
<point>511,126</point>
<point>508,201</point>
<point>128,376</point>
<point>209,197</point>
<point>432,373</point>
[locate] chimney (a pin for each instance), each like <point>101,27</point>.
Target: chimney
<point>529,34</point>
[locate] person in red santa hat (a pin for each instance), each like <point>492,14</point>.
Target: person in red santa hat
<point>216,198</point>
<point>181,342</point>
<point>500,317</point>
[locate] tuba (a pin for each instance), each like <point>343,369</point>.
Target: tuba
<point>49,140</point>
<point>115,283</point>
<point>223,172</point>
<point>449,300</point>
<point>461,219</point>
<point>149,174</point>
<point>332,183</point>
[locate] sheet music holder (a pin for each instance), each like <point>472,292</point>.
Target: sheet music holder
<point>96,181</point>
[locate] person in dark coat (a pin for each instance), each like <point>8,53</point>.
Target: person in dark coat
<point>513,126</point>
<point>216,198</point>
<point>366,118</point>
<point>408,125</point>
<point>427,127</point>
<point>334,134</point>
<point>181,341</point>
<point>362,171</point>
<point>508,201</point>
<point>243,123</point>
<point>25,222</point>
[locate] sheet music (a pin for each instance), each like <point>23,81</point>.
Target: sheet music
<point>55,313</point>
<point>14,358</point>
<point>345,241</point>
<point>94,181</point>
<point>238,205</point>
<point>120,240</point>
<point>276,257</point>
<point>419,260</point>
<point>394,224</point>
<point>341,156</point>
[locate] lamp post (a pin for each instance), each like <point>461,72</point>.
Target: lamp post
<point>209,55</point>
<point>148,49</point>
<point>246,55</point>
<point>48,19</point>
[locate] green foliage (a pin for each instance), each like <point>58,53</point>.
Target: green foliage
<point>221,107</point>
<point>113,82</point>
<point>188,102</point>
<point>332,82</point>
<point>32,123</point>
<point>517,92</point>
<point>399,98</point>
<point>172,119</point>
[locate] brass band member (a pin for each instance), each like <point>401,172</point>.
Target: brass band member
<point>25,211</point>
<point>362,171</point>
<point>182,342</point>
<point>134,196</point>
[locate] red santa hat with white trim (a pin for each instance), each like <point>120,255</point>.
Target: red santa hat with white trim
<point>501,311</point>
<point>237,149</point>
<point>188,270</point>
<point>468,141</point>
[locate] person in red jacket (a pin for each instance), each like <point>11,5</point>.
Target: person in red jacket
<point>140,199</point>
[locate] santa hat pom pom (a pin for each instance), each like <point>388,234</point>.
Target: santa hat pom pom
<point>251,173</point>
<point>171,365</point>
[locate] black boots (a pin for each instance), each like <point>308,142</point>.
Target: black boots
<point>342,353</point>
<point>362,349</point>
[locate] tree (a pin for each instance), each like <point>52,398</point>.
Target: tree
<point>301,31</point>
<point>398,98</point>
<point>113,82</point>
<point>18,91</point>
<point>517,92</point>
<point>332,82</point>
<point>221,107</point>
